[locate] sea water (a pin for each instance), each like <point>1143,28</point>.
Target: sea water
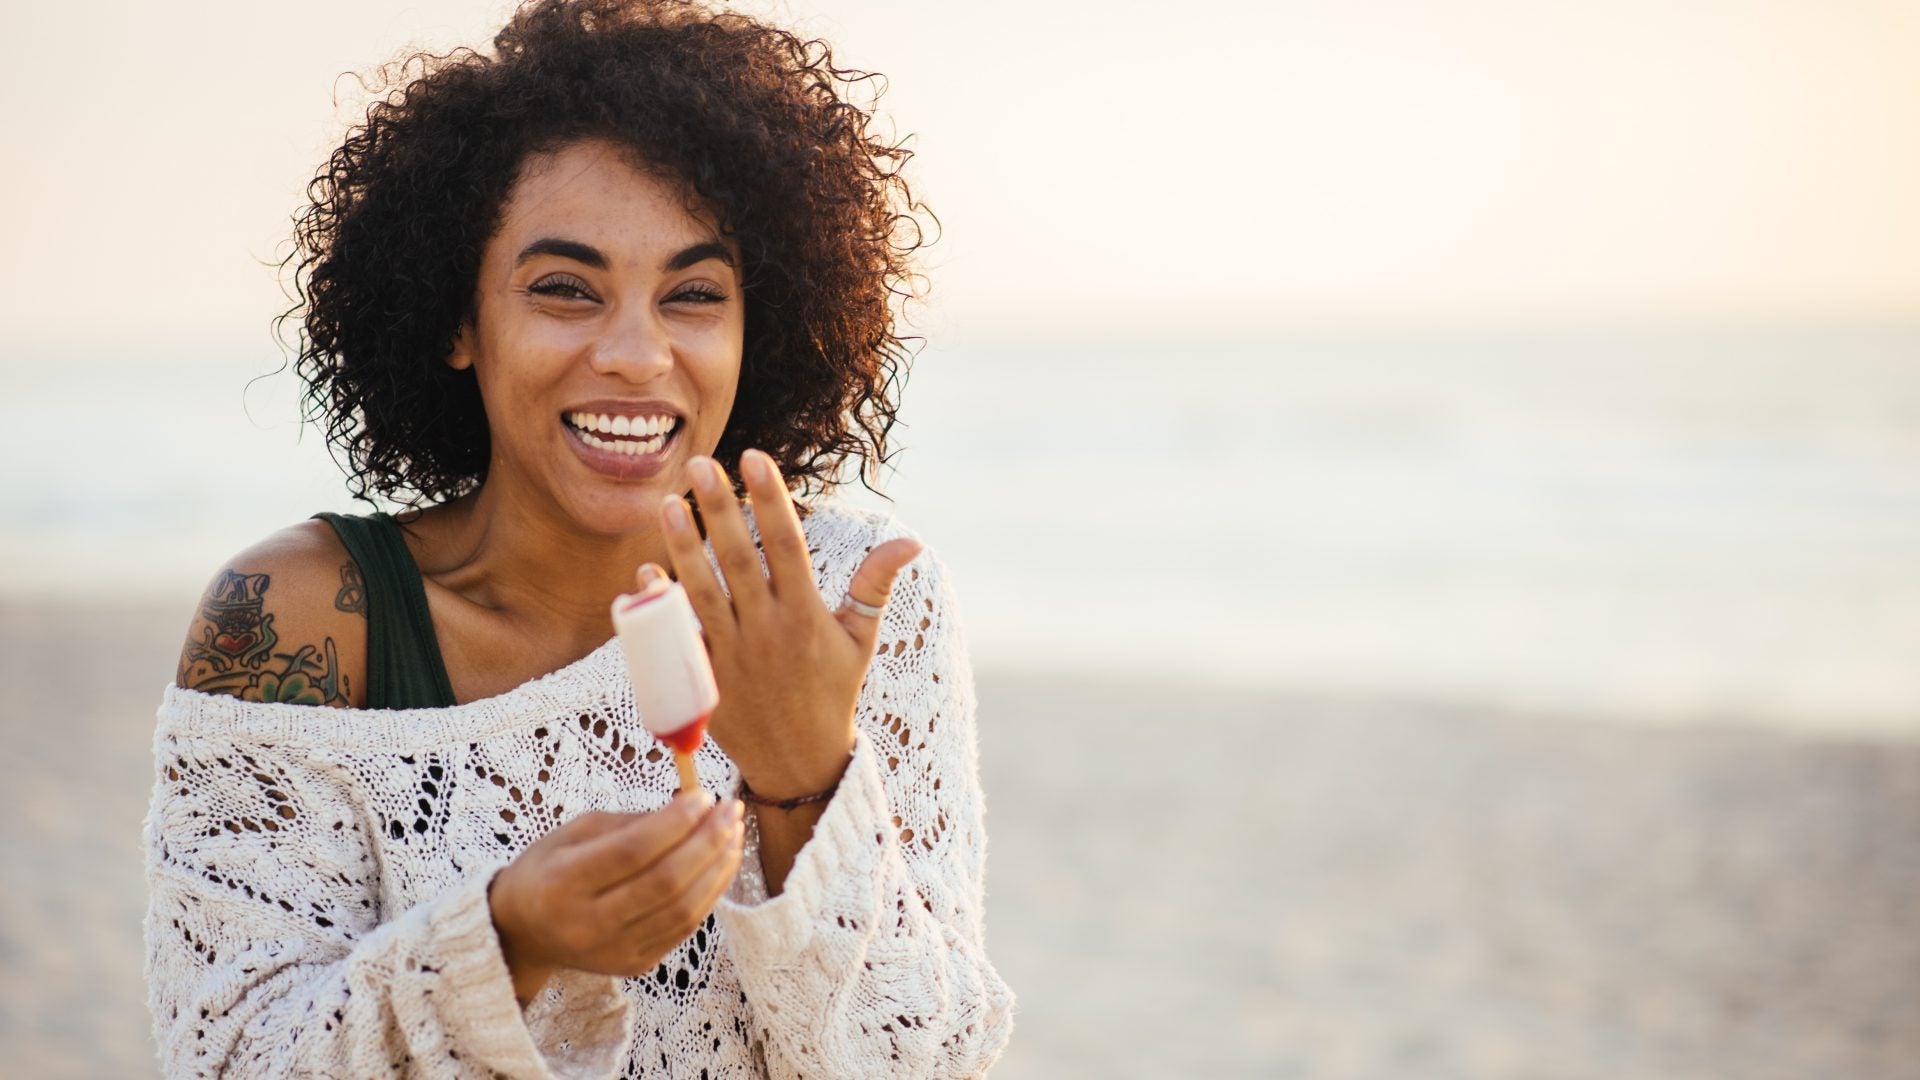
<point>1671,525</point>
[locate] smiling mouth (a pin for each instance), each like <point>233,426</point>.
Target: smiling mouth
<point>634,436</point>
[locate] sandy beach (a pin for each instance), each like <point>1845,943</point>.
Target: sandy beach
<point>1187,884</point>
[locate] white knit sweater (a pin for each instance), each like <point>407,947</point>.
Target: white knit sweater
<point>317,881</point>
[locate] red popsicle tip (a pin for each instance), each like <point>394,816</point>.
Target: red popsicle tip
<point>686,738</point>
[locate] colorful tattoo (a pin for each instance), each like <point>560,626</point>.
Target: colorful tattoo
<point>235,654</point>
<point>235,634</point>
<point>353,592</point>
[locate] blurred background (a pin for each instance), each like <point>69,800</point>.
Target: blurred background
<point>1434,487</point>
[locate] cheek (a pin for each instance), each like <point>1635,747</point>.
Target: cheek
<point>716,371</point>
<point>510,371</point>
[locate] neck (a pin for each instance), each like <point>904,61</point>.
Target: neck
<point>517,560</point>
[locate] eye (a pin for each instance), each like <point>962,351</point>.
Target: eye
<point>563,287</point>
<point>698,292</point>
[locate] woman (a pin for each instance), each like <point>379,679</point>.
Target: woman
<point>640,250</point>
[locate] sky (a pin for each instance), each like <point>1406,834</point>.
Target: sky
<point>1113,170</point>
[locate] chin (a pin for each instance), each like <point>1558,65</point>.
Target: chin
<point>609,511</point>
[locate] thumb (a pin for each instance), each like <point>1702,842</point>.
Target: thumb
<point>859,611</point>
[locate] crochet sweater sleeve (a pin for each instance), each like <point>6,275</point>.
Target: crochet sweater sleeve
<point>268,953</point>
<point>871,961</point>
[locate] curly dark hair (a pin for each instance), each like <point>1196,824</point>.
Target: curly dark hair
<point>759,124</point>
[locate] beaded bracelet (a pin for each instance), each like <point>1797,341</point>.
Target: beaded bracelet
<point>747,794</point>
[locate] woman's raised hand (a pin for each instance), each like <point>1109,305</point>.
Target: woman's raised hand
<point>789,669</point>
<point>612,893</point>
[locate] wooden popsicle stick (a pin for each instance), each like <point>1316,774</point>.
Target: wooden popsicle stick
<point>689,779</point>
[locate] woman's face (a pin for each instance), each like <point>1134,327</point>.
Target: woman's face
<point>606,339</point>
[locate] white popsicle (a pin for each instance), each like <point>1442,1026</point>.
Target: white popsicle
<point>673,685</point>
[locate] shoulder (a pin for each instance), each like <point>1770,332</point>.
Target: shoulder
<point>285,620</point>
<point>841,534</point>
<point>838,530</point>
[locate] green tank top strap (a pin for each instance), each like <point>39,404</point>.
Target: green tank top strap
<point>404,667</point>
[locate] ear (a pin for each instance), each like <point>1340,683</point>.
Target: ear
<point>461,358</point>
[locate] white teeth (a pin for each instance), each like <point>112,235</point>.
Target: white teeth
<point>642,434</point>
<point>629,447</point>
<point>635,448</point>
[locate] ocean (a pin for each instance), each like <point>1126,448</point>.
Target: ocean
<point>1644,526</point>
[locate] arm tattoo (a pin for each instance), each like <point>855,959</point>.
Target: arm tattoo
<point>352,597</point>
<point>236,651</point>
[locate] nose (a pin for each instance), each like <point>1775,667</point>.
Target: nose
<point>636,346</point>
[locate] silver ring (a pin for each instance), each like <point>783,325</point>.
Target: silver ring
<point>861,607</point>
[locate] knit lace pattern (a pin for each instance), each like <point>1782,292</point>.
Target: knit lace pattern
<point>317,880</point>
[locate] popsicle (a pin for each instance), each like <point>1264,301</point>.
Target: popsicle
<point>673,687</point>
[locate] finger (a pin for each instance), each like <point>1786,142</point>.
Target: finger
<point>713,884</point>
<point>689,558</point>
<point>669,923</point>
<point>727,532</point>
<point>584,827</point>
<point>643,840</point>
<point>660,884</point>
<point>645,577</point>
<point>872,584</point>
<point>780,534</point>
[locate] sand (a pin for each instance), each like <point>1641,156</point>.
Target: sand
<point>1294,888</point>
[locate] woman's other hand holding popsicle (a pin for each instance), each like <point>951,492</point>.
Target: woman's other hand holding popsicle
<point>612,893</point>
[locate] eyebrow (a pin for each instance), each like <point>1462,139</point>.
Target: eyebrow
<point>591,256</point>
<point>699,253</point>
<point>566,249</point>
